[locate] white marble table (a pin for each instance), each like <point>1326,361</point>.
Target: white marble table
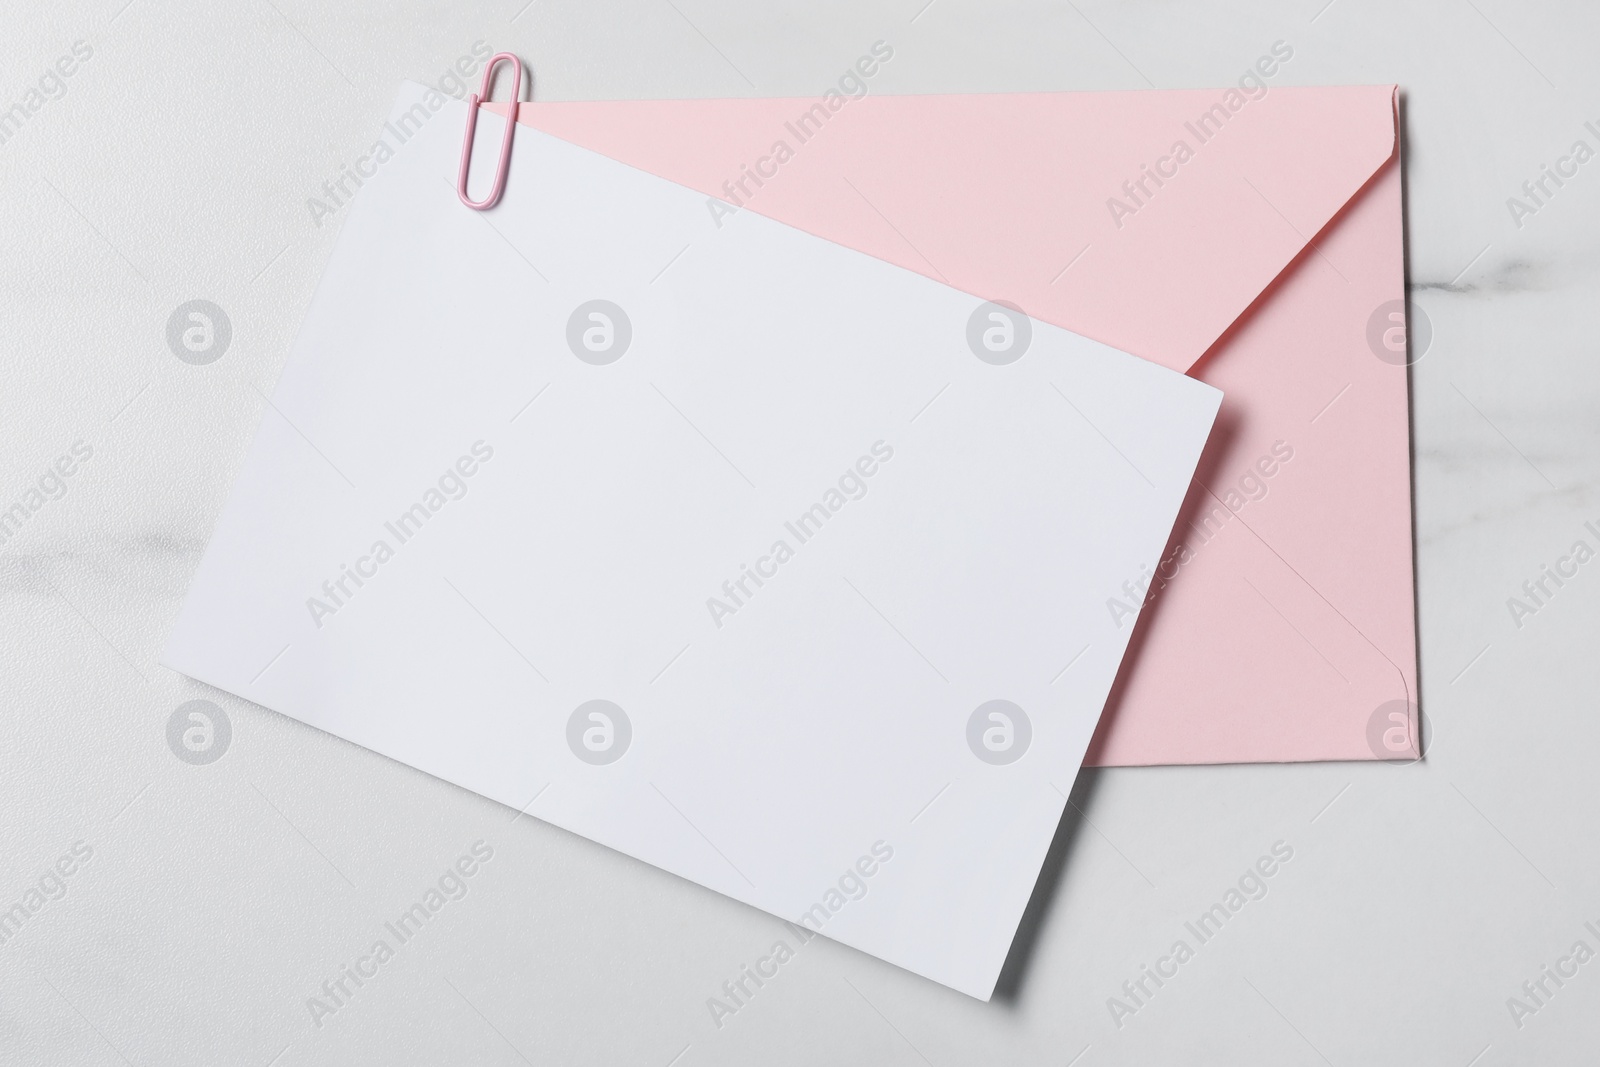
<point>208,901</point>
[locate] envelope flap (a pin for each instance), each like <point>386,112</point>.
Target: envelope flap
<point>1171,210</point>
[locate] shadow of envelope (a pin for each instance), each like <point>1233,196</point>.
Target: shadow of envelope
<point>1252,239</point>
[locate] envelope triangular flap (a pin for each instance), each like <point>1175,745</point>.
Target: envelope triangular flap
<point>1189,203</point>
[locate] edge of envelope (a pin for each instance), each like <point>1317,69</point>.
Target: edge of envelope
<point>1378,145</point>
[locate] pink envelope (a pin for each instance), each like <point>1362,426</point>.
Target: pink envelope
<point>1254,241</point>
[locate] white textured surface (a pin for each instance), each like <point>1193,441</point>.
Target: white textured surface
<point>219,897</point>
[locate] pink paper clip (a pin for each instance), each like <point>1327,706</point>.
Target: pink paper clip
<point>505,142</point>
